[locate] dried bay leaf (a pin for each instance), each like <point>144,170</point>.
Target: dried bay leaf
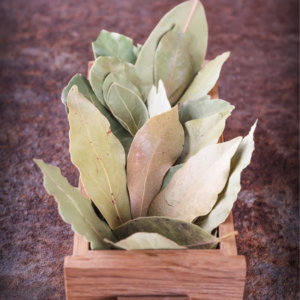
<point>154,150</point>
<point>100,159</point>
<point>121,80</point>
<point>173,63</point>
<point>85,89</point>
<point>74,208</point>
<point>205,79</point>
<point>127,107</point>
<point>137,49</point>
<point>169,175</point>
<point>144,241</point>
<point>158,102</point>
<point>194,189</point>
<point>227,197</point>
<point>103,66</point>
<point>114,44</point>
<point>202,108</point>
<point>190,16</point>
<point>180,232</point>
<point>201,133</point>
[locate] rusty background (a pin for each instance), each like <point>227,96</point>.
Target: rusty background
<point>44,43</point>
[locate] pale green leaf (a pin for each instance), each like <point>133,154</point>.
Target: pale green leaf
<point>121,80</point>
<point>137,49</point>
<point>173,63</point>
<point>154,150</point>
<point>189,16</point>
<point>84,88</point>
<point>201,133</point>
<point>74,208</point>
<point>194,189</point>
<point>114,44</point>
<point>103,66</point>
<point>145,241</point>
<point>180,232</point>
<point>227,197</point>
<point>127,107</point>
<point>169,175</point>
<point>205,79</point>
<point>100,158</point>
<point>201,109</point>
<point>158,102</point>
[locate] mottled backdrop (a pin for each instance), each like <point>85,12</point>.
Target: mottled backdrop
<point>44,43</point>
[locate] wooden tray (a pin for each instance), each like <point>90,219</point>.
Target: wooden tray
<point>156,274</point>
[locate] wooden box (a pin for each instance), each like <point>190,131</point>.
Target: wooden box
<point>156,274</point>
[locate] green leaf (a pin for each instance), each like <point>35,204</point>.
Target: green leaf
<point>227,197</point>
<point>154,150</point>
<point>158,103</point>
<point>194,188</point>
<point>116,45</point>
<point>84,88</point>
<point>205,79</point>
<point>180,232</point>
<point>127,107</point>
<point>173,63</point>
<point>137,49</point>
<point>202,108</point>
<point>201,133</point>
<point>144,241</point>
<point>74,208</point>
<point>100,158</point>
<point>121,80</point>
<point>103,66</point>
<point>169,175</point>
<point>189,16</point>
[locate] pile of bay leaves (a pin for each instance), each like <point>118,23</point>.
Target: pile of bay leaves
<point>144,136</point>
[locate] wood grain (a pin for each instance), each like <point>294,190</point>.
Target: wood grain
<point>155,298</point>
<point>204,274</point>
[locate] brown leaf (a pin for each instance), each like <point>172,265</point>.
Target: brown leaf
<point>154,150</point>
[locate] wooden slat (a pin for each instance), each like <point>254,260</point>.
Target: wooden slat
<point>228,246</point>
<point>80,246</point>
<point>203,274</point>
<point>155,298</point>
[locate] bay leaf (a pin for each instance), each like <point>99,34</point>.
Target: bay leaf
<point>145,241</point>
<point>190,16</point>
<point>84,88</point>
<point>74,208</point>
<point>102,67</point>
<point>169,175</point>
<point>227,197</point>
<point>194,189</point>
<point>173,63</point>
<point>114,44</point>
<point>127,107</point>
<point>100,159</point>
<point>158,101</point>
<point>154,150</point>
<point>202,108</point>
<point>201,133</point>
<point>205,79</point>
<point>121,80</point>
<point>180,232</point>
<point>137,49</point>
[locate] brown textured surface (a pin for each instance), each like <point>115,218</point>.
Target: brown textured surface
<point>43,43</point>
